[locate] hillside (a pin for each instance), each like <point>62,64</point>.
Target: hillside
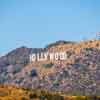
<point>15,93</point>
<point>80,72</point>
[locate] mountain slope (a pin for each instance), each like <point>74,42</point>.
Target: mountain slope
<point>80,72</point>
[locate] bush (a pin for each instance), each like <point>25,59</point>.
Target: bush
<point>48,65</point>
<point>23,98</point>
<point>54,97</point>
<point>32,96</point>
<point>17,69</point>
<point>33,73</point>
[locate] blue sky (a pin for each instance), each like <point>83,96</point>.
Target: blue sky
<point>36,23</point>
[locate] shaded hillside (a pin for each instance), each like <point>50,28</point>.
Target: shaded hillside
<point>18,56</point>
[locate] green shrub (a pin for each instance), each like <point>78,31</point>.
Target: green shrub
<point>23,98</point>
<point>48,65</point>
<point>32,96</point>
<point>17,69</point>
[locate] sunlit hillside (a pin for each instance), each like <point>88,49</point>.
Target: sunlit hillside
<point>14,93</point>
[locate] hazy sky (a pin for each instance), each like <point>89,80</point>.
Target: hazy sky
<point>36,23</point>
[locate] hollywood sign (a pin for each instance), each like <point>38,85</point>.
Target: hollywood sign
<point>44,56</point>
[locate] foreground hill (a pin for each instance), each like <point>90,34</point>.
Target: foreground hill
<point>78,75</point>
<point>15,93</point>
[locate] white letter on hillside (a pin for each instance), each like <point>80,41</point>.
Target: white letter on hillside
<point>32,57</point>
